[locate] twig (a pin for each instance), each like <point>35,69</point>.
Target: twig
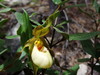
<point>66,44</point>
<point>58,42</point>
<point>53,33</point>
<point>92,65</point>
<point>95,42</point>
<point>47,40</point>
<point>67,20</point>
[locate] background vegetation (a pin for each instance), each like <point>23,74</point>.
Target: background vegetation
<point>72,24</point>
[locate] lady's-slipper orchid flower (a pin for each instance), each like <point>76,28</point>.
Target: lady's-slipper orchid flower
<point>41,56</point>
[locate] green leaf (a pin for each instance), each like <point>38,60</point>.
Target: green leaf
<point>19,17</point>
<point>27,24</point>
<point>3,51</point>
<point>84,60</point>
<point>1,67</point>
<point>32,14</point>
<point>2,5</point>
<point>52,72</point>
<point>37,23</point>
<point>96,6</point>
<point>51,18</point>
<point>83,36</point>
<point>12,65</point>
<point>43,21</point>
<point>25,30</point>
<point>19,49</point>
<point>23,54</point>
<point>57,1</point>
<point>2,48</point>
<point>65,35</point>
<point>72,70</point>
<point>34,26</point>
<point>1,0</point>
<point>2,22</point>
<point>60,25</point>
<point>6,10</point>
<point>88,47</point>
<point>12,36</point>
